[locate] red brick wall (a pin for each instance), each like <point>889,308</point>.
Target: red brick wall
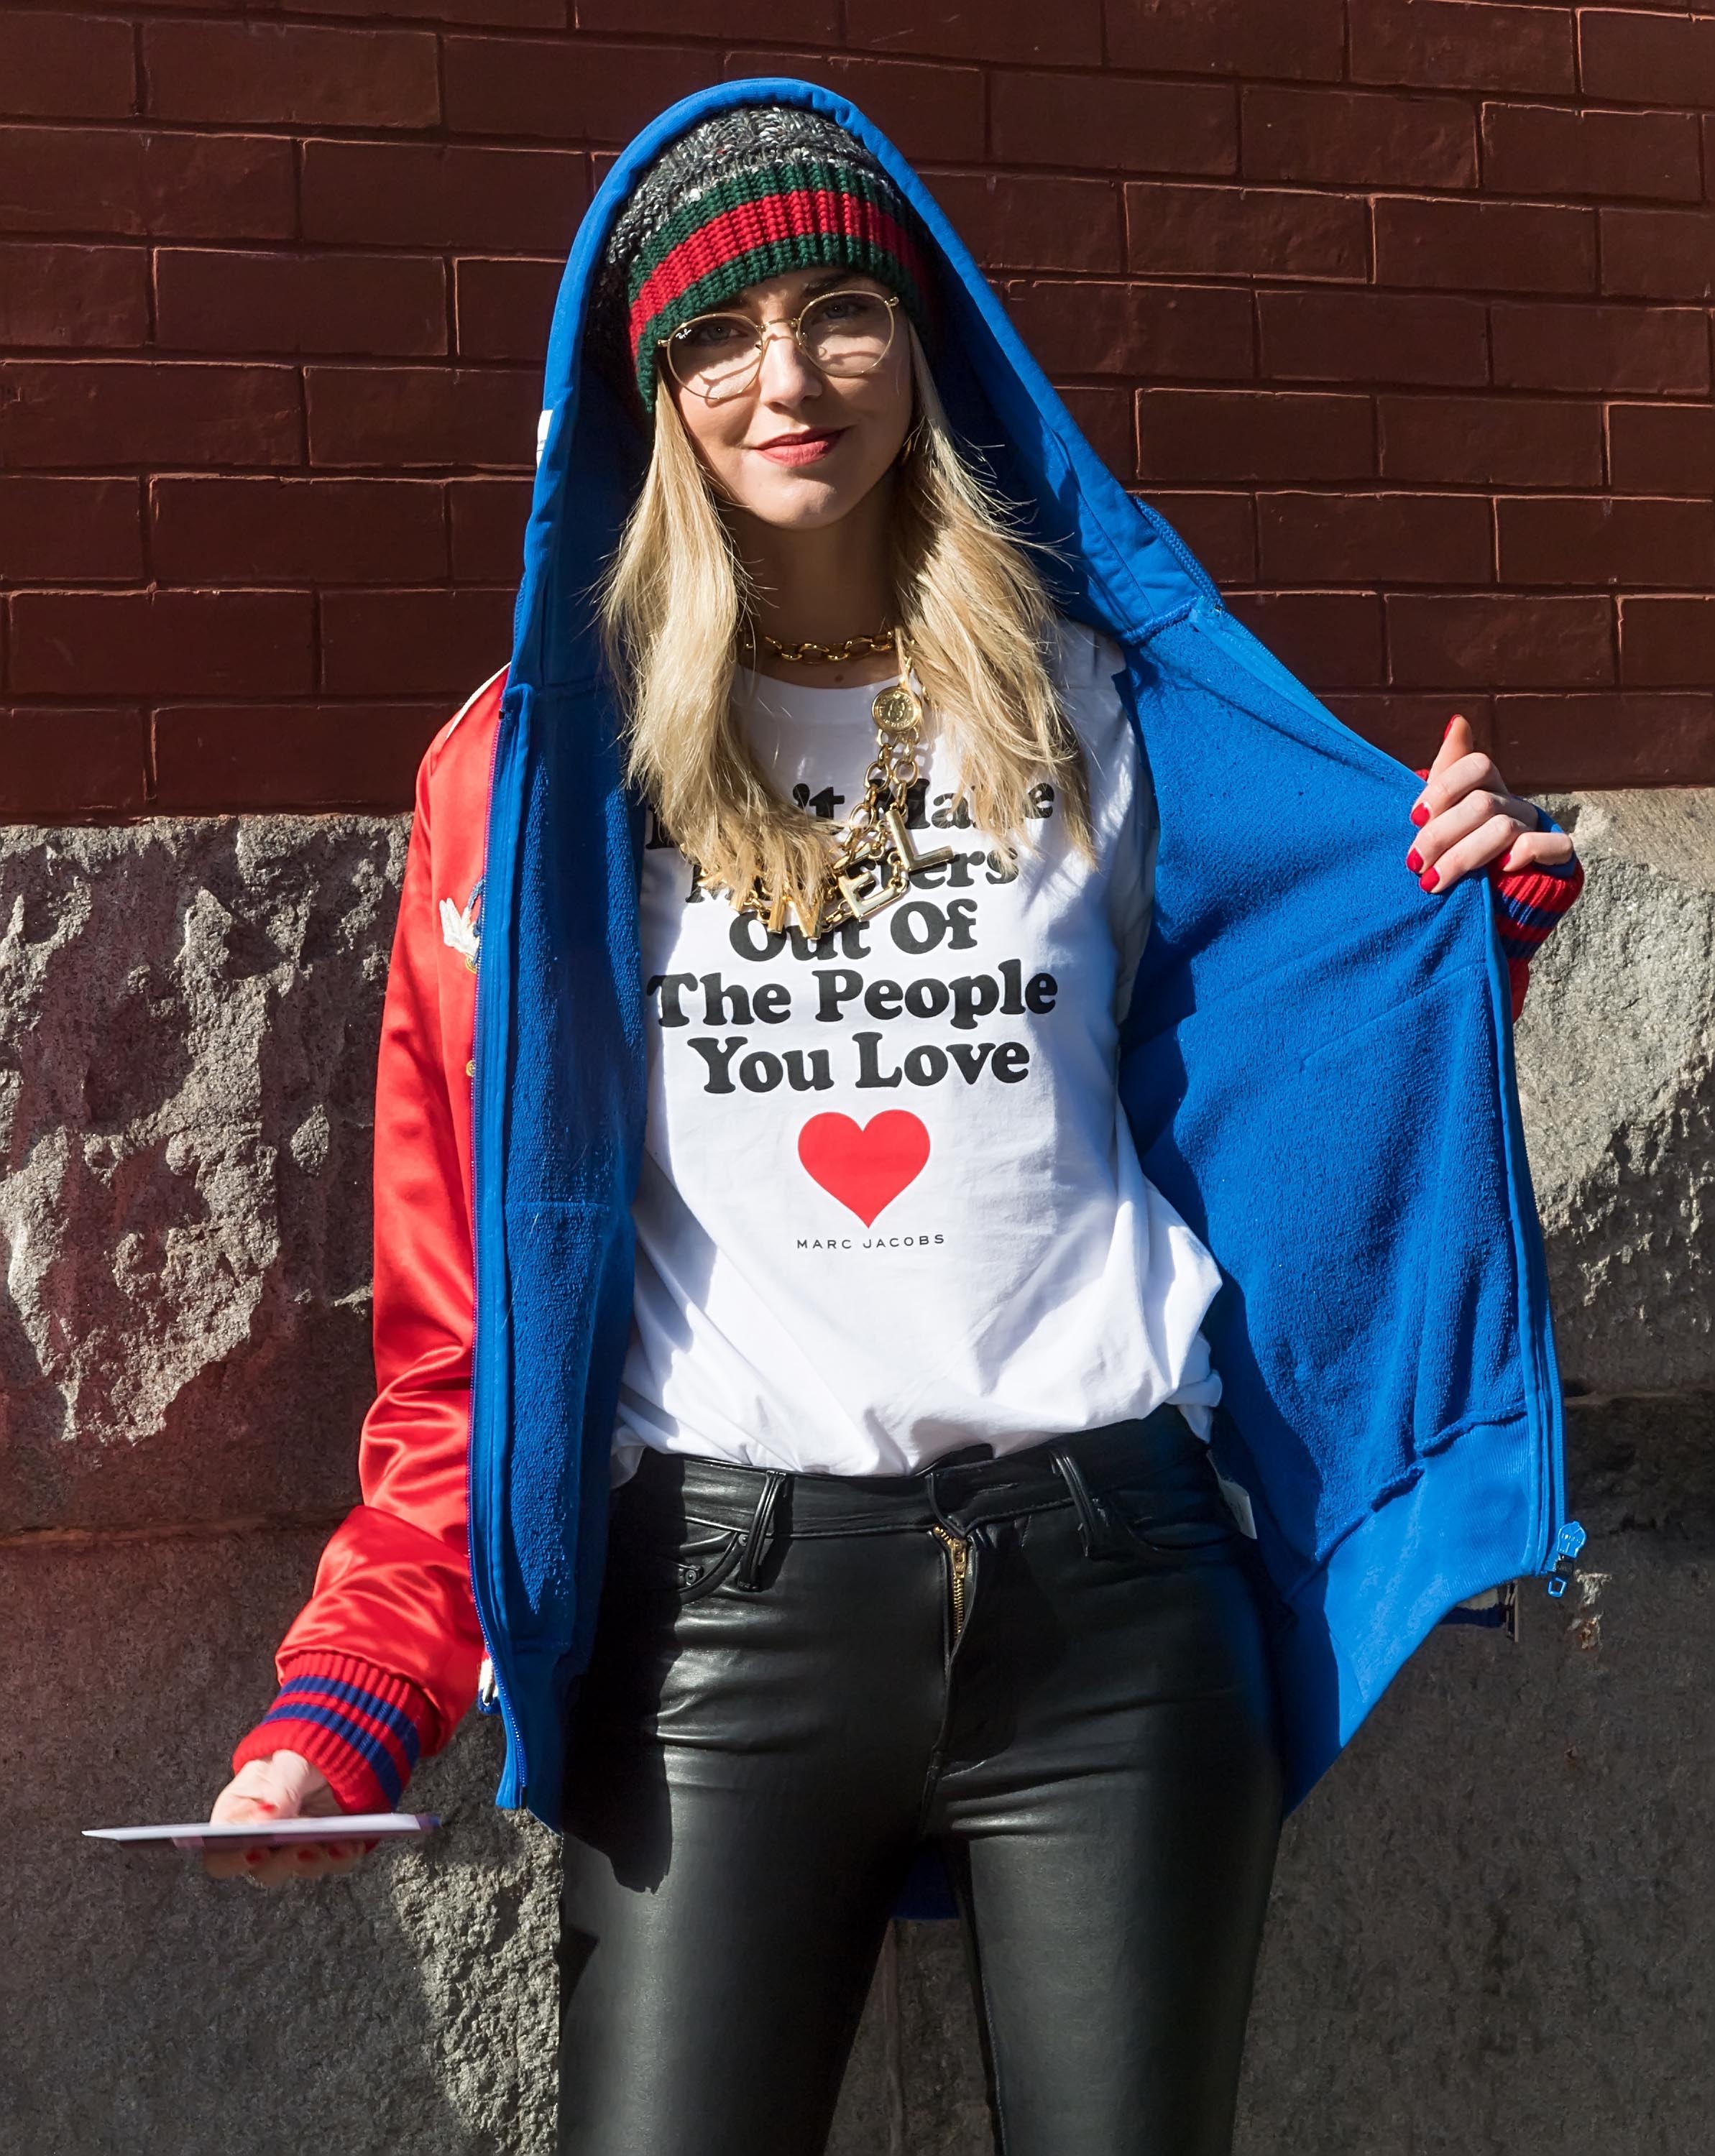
<point>1400,309</point>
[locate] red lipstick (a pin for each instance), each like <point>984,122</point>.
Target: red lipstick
<point>800,449</point>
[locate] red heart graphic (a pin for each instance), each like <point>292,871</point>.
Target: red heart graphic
<point>865,1166</point>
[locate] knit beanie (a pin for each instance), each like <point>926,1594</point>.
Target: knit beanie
<point>748,193</point>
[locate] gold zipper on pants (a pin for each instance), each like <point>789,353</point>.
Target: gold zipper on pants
<point>958,1555</point>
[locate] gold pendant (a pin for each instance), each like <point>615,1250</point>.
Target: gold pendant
<point>886,858</point>
<point>896,709</point>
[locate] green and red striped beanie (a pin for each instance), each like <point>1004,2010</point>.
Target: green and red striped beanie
<point>751,193</point>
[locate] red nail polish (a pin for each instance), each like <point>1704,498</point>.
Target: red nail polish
<point>254,1856</point>
<point>1419,815</point>
<point>1451,724</point>
<point>1414,861</point>
<point>306,1856</point>
<point>1430,879</point>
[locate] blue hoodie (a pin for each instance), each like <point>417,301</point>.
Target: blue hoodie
<point>1317,1069</point>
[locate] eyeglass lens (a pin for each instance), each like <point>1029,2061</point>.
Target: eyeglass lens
<point>842,333</point>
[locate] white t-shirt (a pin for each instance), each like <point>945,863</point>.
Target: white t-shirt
<point>890,1206</point>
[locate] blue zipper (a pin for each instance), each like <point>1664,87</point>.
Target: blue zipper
<point>491,1694</point>
<point>1567,1537</point>
<point>1568,1543</point>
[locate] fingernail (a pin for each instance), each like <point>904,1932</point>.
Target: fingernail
<point>1419,815</point>
<point>254,1856</point>
<point>1451,724</point>
<point>1414,861</point>
<point>306,1856</point>
<point>1430,879</point>
<point>1505,863</point>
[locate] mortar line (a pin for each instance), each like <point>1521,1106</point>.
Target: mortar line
<point>241,1523</point>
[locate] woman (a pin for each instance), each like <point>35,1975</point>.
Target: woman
<point>920,1057</point>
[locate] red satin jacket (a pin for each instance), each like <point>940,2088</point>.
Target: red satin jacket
<point>383,1660</point>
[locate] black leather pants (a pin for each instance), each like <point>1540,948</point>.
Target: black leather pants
<point>1054,1665</point>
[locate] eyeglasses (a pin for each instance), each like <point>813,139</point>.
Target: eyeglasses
<point>842,334</point>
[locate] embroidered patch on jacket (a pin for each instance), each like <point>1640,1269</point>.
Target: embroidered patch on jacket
<point>458,930</point>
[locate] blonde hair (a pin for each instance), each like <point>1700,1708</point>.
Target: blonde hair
<point>976,615</point>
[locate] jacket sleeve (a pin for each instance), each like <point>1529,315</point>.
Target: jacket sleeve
<point>381,1662</point>
<point>1530,903</point>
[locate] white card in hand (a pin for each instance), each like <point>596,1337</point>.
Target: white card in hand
<point>278,1833</point>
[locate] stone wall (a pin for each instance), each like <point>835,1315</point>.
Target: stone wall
<point>1489,1928</point>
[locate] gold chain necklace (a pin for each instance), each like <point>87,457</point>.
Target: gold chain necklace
<point>808,653</point>
<point>873,857</point>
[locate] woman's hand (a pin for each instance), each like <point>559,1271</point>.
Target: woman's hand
<point>283,1786</point>
<point>1466,818</point>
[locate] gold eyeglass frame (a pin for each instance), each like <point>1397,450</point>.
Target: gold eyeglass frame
<point>793,328</point>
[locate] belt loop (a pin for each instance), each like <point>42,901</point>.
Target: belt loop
<point>1096,1531</point>
<point>757,1538</point>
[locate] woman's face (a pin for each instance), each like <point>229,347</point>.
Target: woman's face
<point>798,449</point>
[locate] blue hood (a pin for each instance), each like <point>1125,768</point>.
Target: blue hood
<point>1317,1068</point>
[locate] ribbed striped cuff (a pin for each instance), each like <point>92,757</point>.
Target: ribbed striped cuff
<point>1530,903</point>
<point>363,1727</point>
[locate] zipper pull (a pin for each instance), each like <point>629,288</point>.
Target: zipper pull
<point>488,1691</point>
<point>1570,1540</point>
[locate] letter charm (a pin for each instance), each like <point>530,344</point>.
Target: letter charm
<point>894,824</point>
